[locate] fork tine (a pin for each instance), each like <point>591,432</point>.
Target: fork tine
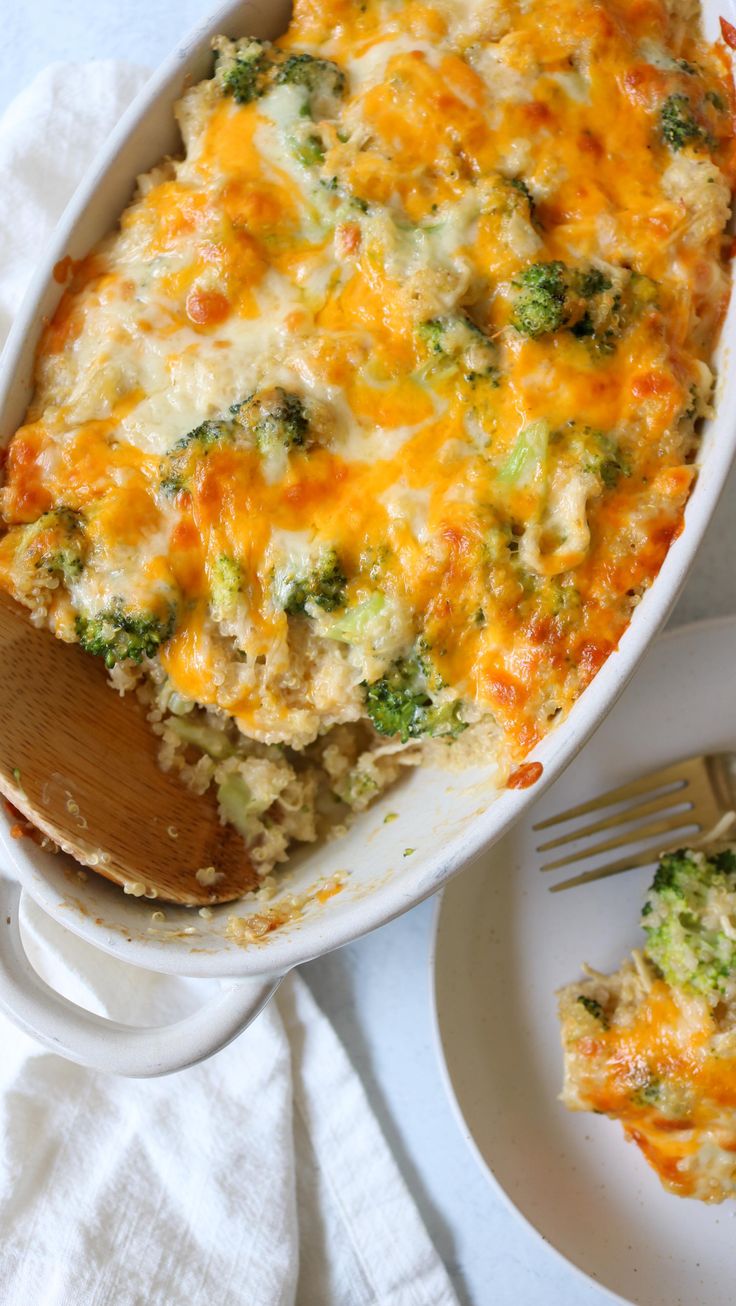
<point>691,803</point>
<point>625,863</point>
<point>636,811</point>
<point>656,780</point>
<point>671,826</point>
<point>649,857</point>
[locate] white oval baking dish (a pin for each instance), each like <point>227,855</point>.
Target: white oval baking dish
<point>443,820</point>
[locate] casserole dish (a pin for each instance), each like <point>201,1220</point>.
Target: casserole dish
<point>380,867</point>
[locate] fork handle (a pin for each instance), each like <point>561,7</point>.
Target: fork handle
<point>102,1044</point>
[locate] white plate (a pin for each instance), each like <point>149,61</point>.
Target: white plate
<point>503,945</point>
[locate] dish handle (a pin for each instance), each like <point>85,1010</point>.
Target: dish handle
<point>102,1044</point>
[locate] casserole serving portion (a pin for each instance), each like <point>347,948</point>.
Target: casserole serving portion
<point>653,1044</point>
<point>357,443</point>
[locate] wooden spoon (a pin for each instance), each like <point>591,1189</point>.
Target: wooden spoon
<point>80,763</point>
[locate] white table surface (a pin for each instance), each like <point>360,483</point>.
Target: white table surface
<point>377,991</point>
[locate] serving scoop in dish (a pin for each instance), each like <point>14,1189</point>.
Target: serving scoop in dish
<point>79,762</point>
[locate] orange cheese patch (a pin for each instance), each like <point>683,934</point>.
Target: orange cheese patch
<point>662,1047</point>
<point>435,296</point>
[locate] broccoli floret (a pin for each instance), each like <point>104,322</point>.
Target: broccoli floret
<point>244,69</point>
<point>603,457</point>
<point>679,125</point>
<point>276,418</point>
<point>226,584</point>
<point>591,282</point>
<point>602,334</point>
<point>344,193</point>
<point>611,469</point>
<point>552,296</point>
<point>599,322</point>
<point>180,462</point>
<point>461,340</point>
<point>541,303</point>
<point>521,186</point>
<point>357,787</point>
<point>641,293</point>
<point>689,918</point>
<point>432,333</point>
<point>399,704</point>
<point>57,544</point>
<point>508,197</point>
<point>308,149</point>
<point>606,316</point>
<point>247,69</point>
<point>272,419</point>
<point>245,80</point>
<point>584,329</point>
<point>594,1008</point>
<point>323,585</point>
<point>718,102</point>
<point>118,635</point>
<point>322,80</point>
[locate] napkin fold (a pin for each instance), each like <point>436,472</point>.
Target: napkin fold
<point>259,1178</point>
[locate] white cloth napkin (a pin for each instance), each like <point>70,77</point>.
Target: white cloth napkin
<point>260,1177</point>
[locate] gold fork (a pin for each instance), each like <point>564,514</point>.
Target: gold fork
<point>688,799</point>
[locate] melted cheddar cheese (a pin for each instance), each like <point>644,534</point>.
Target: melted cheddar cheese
<point>654,1045</point>
<point>661,1062</point>
<point>399,365</point>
